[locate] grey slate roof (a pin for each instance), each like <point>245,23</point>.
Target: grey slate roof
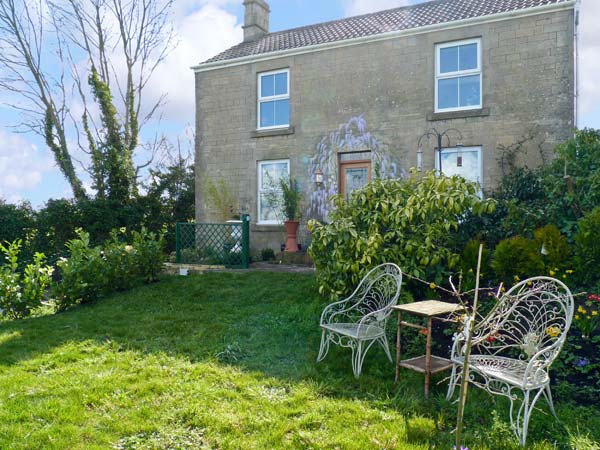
<point>404,18</point>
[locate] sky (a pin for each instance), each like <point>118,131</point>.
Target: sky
<point>205,28</point>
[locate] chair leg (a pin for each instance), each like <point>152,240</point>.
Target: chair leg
<point>522,423</point>
<point>357,359</point>
<point>324,349</point>
<point>454,377</point>
<point>548,396</point>
<point>386,348</point>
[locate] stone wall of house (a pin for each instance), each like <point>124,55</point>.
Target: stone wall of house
<point>381,95</point>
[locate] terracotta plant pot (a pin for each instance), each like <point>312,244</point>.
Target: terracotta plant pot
<point>291,229</point>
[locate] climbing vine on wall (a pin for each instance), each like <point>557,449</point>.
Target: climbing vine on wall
<point>353,136</point>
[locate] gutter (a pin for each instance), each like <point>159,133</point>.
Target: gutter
<point>555,7</point>
<point>576,57</point>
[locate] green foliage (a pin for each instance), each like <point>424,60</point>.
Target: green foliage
<point>587,249</point>
<point>91,272</point>
<point>410,222</point>
<point>291,199</point>
<point>468,263</point>
<point>267,254</point>
<point>221,199</point>
<point>113,168</point>
<point>20,293</point>
<point>15,221</point>
<point>517,257</point>
<point>555,245</point>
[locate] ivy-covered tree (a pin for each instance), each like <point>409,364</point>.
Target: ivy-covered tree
<point>50,49</point>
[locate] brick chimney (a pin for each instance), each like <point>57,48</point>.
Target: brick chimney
<point>256,19</point>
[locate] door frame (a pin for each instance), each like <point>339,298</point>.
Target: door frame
<point>351,164</point>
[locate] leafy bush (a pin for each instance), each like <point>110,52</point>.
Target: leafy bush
<point>149,254</point>
<point>409,222</point>
<point>587,249</point>
<point>91,272</point>
<point>556,247</point>
<point>468,263</point>
<point>517,257</point>
<point>21,293</point>
<point>267,254</point>
<point>82,275</point>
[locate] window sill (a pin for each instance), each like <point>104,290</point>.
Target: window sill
<point>482,112</point>
<point>272,132</point>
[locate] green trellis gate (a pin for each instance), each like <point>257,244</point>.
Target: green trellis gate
<point>220,244</point>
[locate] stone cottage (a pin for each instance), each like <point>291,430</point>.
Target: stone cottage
<point>352,99</point>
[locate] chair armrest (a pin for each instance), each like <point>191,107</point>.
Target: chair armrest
<point>334,309</point>
<point>372,317</point>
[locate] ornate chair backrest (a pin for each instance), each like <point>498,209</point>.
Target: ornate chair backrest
<point>378,291</point>
<point>530,322</point>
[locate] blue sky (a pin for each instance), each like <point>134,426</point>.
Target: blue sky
<point>206,27</point>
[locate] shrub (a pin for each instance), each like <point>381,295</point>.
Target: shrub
<point>556,247</point>
<point>587,249</point>
<point>149,254</point>
<point>267,254</point>
<point>517,257</point>
<point>291,198</point>
<point>468,263</point>
<point>83,274</point>
<point>91,272</point>
<point>409,222</point>
<point>21,293</point>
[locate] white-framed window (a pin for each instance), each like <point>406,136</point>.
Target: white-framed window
<point>274,99</point>
<point>458,77</point>
<point>270,197</point>
<point>463,161</point>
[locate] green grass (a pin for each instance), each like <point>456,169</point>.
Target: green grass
<point>228,361</point>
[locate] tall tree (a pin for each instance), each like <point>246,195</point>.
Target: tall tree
<point>57,54</point>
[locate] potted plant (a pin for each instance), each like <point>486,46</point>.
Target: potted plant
<point>291,210</point>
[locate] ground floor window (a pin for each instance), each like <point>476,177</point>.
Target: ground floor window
<point>270,173</point>
<point>463,161</point>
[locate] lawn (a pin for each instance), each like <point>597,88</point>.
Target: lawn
<point>227,360</point>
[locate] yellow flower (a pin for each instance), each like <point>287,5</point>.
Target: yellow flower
<point>569,271</point>
<point>552,331</point>
<point>517,278</point>
<point>576,317</point>
<point>581,309</point>
<point>552,273</point>
<point>594,313</point>
<point>432,285</point>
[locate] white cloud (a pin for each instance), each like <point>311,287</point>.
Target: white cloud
<point>204,32</point>
<point>22,166</point>
<point>356,7</point>
<point>589,52</point>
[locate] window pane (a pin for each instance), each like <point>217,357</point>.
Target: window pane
<point>470,90</point>
<point>448,59</point>
<point>282,112</point>
<point>267,83</point>
<point>270,206</point>
<point>464,164</point>
<point>267,114</point>
<point>448,93</point>
<point>271,174</point>
<point>468,57</point>
<point>281,84</point>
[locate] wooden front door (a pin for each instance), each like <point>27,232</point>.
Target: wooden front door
<point>354,175</point>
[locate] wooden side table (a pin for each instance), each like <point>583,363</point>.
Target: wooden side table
<point>427,364</point>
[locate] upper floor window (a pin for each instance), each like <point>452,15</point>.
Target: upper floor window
<point>274,99</point>
<point>458,75</point>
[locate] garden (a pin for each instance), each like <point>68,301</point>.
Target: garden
<point>100,350</point>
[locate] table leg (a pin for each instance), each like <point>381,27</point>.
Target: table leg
<point>428,357</point>
<point>398,346</point>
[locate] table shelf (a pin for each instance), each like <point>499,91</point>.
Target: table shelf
<point>438,364</point>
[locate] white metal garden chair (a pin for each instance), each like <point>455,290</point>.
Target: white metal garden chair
<point>359,321</point>
<point>514,346</point>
